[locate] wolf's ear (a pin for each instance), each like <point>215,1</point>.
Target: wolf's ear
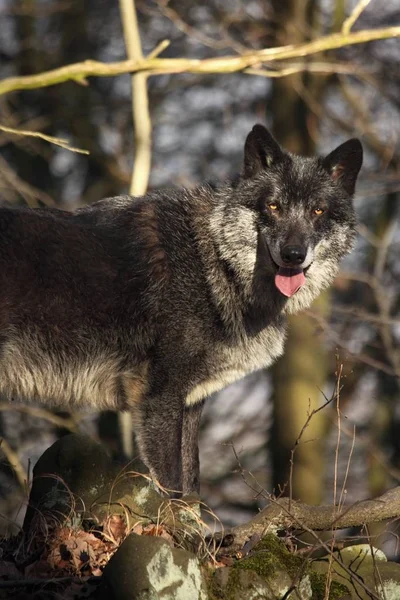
<point>344,163</point>
<point>260,151</point>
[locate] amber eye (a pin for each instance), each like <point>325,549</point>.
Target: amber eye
<point>273,206</point>
<point>318,211</point>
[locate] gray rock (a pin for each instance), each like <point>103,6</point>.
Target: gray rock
<point>378,575</point>
<point>245,584</point>
<point>76,479</point>
<point>148,568</point>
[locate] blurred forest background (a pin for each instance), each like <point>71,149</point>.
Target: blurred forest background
<point>199,124</point>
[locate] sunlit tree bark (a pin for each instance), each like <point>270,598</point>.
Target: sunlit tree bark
<point>300,374</point>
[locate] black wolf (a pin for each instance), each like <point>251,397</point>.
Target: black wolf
<point>152,304</point>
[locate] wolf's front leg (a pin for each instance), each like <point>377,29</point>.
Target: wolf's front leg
<point>159,438</point>
<point>190,449</point>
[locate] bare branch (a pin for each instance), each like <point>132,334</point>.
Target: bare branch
<point>386,149</point>
<point>15,463</point>
<point>194,33</point>
<point>320,67</point>
<point>47,138</point>
<point>318,518</point>
<point>42,413</point>
<point>358,9</point>
<point>159,49</point>
<point>229,64</point>
<point>30,193</point>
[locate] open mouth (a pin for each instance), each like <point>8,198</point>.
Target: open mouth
<point>289,280</point>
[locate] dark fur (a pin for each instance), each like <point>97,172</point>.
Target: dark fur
<point>150,304</point>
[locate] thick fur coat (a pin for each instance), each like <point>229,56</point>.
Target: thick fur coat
<point>152,304</point>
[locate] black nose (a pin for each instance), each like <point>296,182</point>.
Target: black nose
<point>293,255</point>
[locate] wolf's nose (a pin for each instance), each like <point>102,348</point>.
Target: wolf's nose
<point>293,255</point>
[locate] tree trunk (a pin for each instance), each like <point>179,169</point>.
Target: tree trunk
<point>300,374</point>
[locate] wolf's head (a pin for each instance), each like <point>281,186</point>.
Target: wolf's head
<point>292,214</point>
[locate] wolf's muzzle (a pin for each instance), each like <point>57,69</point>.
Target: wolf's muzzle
<point>293,256</point>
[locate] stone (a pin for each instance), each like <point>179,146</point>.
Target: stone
<point>271,572</point>
<point>239,584</point>
<point>379,576</point>
<point>148,568</point>
<point>75,479</point>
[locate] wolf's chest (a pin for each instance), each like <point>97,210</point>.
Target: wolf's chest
<point>227,364</point>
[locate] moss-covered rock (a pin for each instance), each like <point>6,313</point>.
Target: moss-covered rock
<point>231,583</point>
<point>271,572</point>
<point>337,591</point>
<point>362,570</point>
<point>271,555</point>
<point>277,568</point>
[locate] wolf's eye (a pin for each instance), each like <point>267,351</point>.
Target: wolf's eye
<point>318,211</point>
<point>273,206</point>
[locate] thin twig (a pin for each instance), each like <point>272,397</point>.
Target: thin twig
<point>41,413</point>
<point>310,415</point>
<point>358,9</point>
<point>362,121</point>
<point>47,138</point>
<point>314,67</point>
<point>360,314</point>
<point>192,32</point>
<point>14,462</point>
<point>338,417</point>
<point>343,491</point>
<point>382,148</point>
<point>159,48</point>
<point>29,193</point>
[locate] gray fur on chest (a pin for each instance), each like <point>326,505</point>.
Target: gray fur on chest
<point>230,363</point>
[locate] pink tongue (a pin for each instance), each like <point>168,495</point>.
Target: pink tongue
<point>288,281</point>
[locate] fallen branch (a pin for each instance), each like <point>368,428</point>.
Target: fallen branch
<point>277,515</point>
<point>229,64</point>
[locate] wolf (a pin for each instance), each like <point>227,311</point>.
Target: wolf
<point>152,304</point>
